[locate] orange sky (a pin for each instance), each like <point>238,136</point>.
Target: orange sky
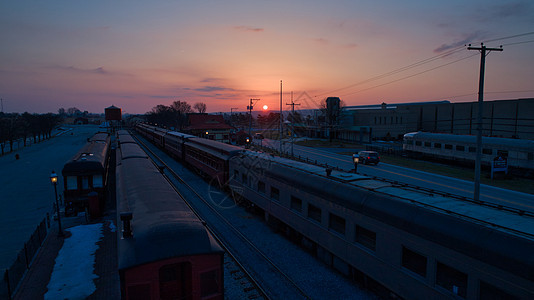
<point>136,55</point>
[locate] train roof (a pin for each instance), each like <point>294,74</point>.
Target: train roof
<point>500,237</point>
<point>163,225</point>
<point>122,132</point>
<point>99,136</point>
<point>216,147</point>
<point>131,150</point>
<point>471,139</point>
<point>180,135</point>
<point>90,159</point>
<point>126,138</point>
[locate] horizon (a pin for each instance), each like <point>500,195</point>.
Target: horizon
<point>139,55</point>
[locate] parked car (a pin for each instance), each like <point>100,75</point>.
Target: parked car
<point>368,157</point>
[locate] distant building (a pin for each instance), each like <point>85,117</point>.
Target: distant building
<point>501,118</point>
<point>210,127</point>
<point>80,121</point>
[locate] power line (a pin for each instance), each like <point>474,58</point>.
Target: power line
<point>402,69</point>
<point>413,75</point>
<point>510,37</point>
<point>422,62</point>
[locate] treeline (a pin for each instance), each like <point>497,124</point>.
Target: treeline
<point>174,115</point>
<point>16,126</point>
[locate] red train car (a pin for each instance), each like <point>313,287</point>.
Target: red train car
<point>86,172</point>
<point>164,251</point>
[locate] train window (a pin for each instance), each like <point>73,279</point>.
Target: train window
<point>418,143</point>
<point>437,145</point>
<point>244,179</point>
<point>365,237</point>
<point>451,279</point>
<point>314,213</point>
<point>72,183</point>
<point>85,182</point>
<point>530,156</point>
<point>487,151</point>
<point>296,204</point>
<point>472,149</point>
<point>336,223</point>
<point>97,181</point>
<point>275,193</point>
<point>236,174</point>
<point>448,146</point>
<point>428,144</point>
<point>488,291</point>
<point>261,186</point>
<point>209,283</point>
<point>414,261</point>
<point>460,148</point>
<point>175,281</point>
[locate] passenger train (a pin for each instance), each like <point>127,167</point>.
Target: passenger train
<point>85,173</point>
<point>462,148</point>
<point>164,249</point>
<point>396,240</point>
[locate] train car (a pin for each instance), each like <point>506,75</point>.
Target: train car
<point>210,158</point>
<point>395,240</point>
<point>164,250</point>
<point>462,148</point>
<point>154,134</point>
<point>124,137</point>
<point>86,172</point>
<point>174,143</point>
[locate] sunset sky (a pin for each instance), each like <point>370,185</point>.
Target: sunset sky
<point>138,54</point>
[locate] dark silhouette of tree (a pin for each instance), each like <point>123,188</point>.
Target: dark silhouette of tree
<point>170,116</point>
<point>200,107</point>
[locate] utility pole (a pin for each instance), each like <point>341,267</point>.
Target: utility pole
<point>292,121</point>
<point>280,126</point>
<point>483,49</point>
<point>250,107</point>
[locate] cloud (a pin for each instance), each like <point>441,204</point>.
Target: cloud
<point>249,28</point>
<point>99,70</point>
<point>350,46</point>
<point>212,89</point>
<point>466,39</point>
<point>321,41</point>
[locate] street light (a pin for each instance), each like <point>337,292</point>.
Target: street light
<point>53,179</point>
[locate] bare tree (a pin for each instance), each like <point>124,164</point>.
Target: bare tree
<point>200,107</point>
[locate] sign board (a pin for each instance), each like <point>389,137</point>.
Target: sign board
<point>499,164</point>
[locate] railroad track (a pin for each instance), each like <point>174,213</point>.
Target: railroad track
<point>244,274</point>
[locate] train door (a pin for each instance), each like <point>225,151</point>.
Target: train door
<point>175,281</point>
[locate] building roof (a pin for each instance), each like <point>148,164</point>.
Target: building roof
<point>204,121</point>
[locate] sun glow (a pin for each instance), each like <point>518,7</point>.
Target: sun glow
<point>265,107</point>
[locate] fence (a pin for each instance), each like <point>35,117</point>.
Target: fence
<point>14,275</point>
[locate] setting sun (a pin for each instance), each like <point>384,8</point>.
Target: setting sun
<point>265,107</point>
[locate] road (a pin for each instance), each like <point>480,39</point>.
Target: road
<point>26,194</point>
<point>436,182</point>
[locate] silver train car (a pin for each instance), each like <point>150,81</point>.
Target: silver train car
<point>395,240</point>
<point>462,148</point>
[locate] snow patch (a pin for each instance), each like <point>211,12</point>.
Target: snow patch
<point>73,274</point>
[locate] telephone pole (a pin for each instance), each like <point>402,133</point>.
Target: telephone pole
<point>292,121</point>
<point>250,107</point>
<point>483,49</point>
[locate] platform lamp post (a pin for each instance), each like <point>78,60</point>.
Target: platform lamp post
<point>53,179</point>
